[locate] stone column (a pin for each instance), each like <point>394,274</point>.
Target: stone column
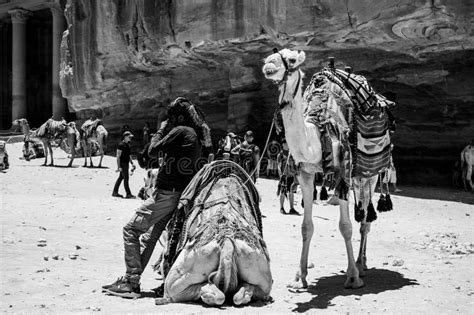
<point>19,17</point>
<point>59,26</point>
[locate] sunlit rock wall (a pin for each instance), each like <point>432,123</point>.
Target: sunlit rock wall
<point>129,58</point>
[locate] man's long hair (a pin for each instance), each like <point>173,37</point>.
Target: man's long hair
<point>194,118</point>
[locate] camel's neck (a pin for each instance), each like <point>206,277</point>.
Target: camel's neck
<point>302,137</point>
<point>291,94</point>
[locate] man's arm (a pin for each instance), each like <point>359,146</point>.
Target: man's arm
<point>131,162</point>
<point>165,143</point>
<point>280,171</point>
<point>164,129</point>
<point>256,156</point>
<point>236,149</point>
<point>119,154</point>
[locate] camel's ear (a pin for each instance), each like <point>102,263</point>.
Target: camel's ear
<point>301,56</point>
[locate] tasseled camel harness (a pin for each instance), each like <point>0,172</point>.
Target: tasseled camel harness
<point>355,125</point>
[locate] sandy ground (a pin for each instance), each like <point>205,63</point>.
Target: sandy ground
<point>419,255</point>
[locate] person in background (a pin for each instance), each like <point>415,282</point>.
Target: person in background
<point>125,128</point>
<point>146,134</point>
<point>391,177</point>
<point>249,155</point>
<point>287,173</point>
<point>123,159</point>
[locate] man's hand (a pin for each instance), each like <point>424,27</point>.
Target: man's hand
<point>118,170</point>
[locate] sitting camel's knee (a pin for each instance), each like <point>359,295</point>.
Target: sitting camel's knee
<point>346,229</point>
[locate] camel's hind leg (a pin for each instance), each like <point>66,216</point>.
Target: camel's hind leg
<point>101,150</point>
<point>364,189</point>
<point>468,179</point>
<point>46,151</point>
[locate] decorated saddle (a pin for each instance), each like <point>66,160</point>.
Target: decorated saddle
<point>220,202</point>
<point>355,125</point>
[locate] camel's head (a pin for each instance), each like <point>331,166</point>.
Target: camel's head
<point>19,122</point>
<point>278,64</point>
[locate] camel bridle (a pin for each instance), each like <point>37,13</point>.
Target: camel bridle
<point>284,80</point>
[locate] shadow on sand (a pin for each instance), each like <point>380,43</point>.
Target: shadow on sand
<point>438,193</point>
<point>376,281</point>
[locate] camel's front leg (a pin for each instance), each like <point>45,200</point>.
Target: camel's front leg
<point>187,278</point>
<point>73,150</point>
<point>84,151</point>
<point>254,273</point>
<point>46,152</point>
<point>101,151</point>
<point>345,226</point>
<point>364,189</point>
<point>307,228</point>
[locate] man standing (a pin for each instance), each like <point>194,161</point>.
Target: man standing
<point>287,175</point>
<point>249,155</point>
<point>123,158</point>
<point>179,139</point>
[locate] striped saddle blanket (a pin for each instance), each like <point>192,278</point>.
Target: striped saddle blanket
<point>367,120</point>
<point>371,135</point>
<point>371,143</point>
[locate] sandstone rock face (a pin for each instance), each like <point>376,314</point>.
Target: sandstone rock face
<point>129,58</point>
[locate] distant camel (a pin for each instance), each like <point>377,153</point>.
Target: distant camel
<point>51,131</point>
<point>467,162</point>
<point>93,133</point>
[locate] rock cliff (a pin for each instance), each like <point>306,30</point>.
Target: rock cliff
<point>128,58</point>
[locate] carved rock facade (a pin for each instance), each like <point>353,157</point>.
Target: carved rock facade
<point>129,58</point>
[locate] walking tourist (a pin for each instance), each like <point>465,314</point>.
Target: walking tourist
<point>123,159</point>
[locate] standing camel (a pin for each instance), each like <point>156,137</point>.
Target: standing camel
<point>93,133</point>
<point>324,129</point>
<point>467,162</point>
<point>51,131</point>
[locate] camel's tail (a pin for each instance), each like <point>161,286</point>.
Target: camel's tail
<point>225,278</point>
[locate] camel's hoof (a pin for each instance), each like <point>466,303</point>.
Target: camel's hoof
<point>211,295</point>
<point>353,283</point>
<point>162,301</point>
<point>299,285</point>
<point>243,296</point>
<point>362,268</point>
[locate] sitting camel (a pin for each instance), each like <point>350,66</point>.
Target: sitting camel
<point>467,162</point>
<point>216,249</point>
<point>93,133</point>
<point>51,131</point>
<point>3,155</point>
<point>328,131</point>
